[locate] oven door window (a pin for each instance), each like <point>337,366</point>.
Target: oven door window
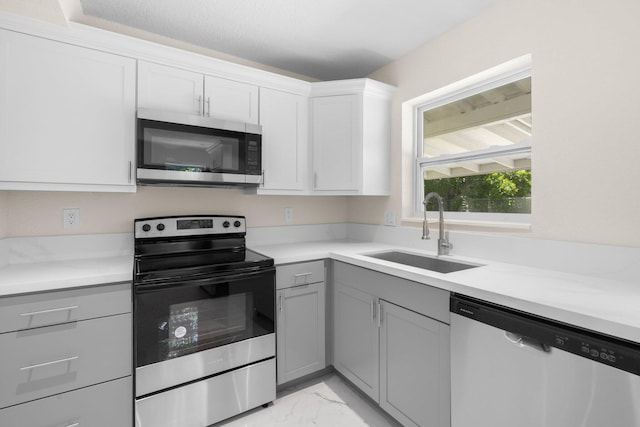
<point>187,317</point>
<point>181,150</point>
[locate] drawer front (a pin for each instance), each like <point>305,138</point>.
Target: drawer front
<point>40,362</point>
<point>50,308</point>
<point>205,402</point>
<point>108,404</point>
<point>301,273</point>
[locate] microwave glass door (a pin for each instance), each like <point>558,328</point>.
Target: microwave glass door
<point>191,315</point>
<point>180,150</point>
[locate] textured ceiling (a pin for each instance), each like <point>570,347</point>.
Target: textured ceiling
<point>322,39</point>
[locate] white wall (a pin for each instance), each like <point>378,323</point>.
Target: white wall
<point>586,80</point>
<point>26,213</point>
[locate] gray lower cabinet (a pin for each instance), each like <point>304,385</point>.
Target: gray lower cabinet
<point>397,356</point>
<point>301,320</point>
<point>356,338</point>
<point>67,358</point>
<point>103,405</point>
<point>414,367</point>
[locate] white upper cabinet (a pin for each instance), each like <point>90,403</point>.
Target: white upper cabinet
<point>169,89</point>
<point>336,136</point>
<point>67,116</point>
<point>283,117</point>
<point>228,99</point>
<point>165,88</point>
<point>351,137</point>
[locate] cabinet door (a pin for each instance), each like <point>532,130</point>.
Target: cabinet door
<point>335,135</point>
<point>414,367</point>
<point>356,338</point>
<point>230,100</point>
<point>170,89</point>
<point>301,331</point>
<point>283,117</point>
<point>67,115</point>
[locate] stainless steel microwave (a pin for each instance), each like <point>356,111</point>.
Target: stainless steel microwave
<point>180,149</point>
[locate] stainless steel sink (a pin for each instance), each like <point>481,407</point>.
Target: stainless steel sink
<point>426,262</point>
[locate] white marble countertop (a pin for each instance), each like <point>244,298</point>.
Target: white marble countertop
<point>606,306</point>
<point>25,278</point>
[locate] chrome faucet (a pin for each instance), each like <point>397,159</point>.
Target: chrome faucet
<point>443,238</point>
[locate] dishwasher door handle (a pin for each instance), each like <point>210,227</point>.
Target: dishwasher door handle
<point>523,341</point>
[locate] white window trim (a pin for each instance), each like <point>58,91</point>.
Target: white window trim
<point>501,75</point>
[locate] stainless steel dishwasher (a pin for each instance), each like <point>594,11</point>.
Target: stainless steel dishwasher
<point>510,368</point>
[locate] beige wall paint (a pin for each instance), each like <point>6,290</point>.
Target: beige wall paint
<point>42,10</point>
<point>4,214</point>
<point>585,80</point>
<point>40,213</point>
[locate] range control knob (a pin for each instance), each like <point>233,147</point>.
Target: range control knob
<point>160,227</point>
<point>237,224</point>
<point>146,227</point>
<point>226,224</point>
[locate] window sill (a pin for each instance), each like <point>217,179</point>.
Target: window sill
<point>474,225</point>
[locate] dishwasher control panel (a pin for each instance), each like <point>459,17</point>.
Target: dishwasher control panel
<point>542,333</point>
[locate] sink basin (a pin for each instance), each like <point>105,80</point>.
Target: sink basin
<point>426,262</point>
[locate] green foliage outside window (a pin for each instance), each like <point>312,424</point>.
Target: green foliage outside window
<point>505,192</point>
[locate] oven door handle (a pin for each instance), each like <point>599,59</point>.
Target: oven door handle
<point>187,282</point>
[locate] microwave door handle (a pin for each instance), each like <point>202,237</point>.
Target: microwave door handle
<point>186,282</point>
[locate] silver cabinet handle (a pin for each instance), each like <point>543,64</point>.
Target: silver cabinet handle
<point>299,275</point>
<point>130,171</point>
<point>379,314</point>
<point>302,274</point>
<point>53,310</point>
<point>53,362</point>
<point>373,313</point>
<point>200,106</point>
<point>208,106</point>
<point>315,180</point>
<point>280,305</point>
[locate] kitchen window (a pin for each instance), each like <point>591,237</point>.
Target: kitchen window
<point>473,146</point>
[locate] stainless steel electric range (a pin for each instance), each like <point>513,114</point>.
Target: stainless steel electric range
<point>204,334</point>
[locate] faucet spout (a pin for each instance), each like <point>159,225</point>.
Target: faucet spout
<point>443,238</point>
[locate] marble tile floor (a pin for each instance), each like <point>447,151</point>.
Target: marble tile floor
<point>326,401</point>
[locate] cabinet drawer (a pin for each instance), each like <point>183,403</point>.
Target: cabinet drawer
<point>50,308</point>
<point>104,405</point>
<point>40,362</point>
<point>299,274</point>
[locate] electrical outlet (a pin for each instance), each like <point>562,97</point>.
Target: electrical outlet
<point>71,218</point>
<point>390,218</point>
<point>288,215</point>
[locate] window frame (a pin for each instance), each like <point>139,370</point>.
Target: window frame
<point>503,74</point>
